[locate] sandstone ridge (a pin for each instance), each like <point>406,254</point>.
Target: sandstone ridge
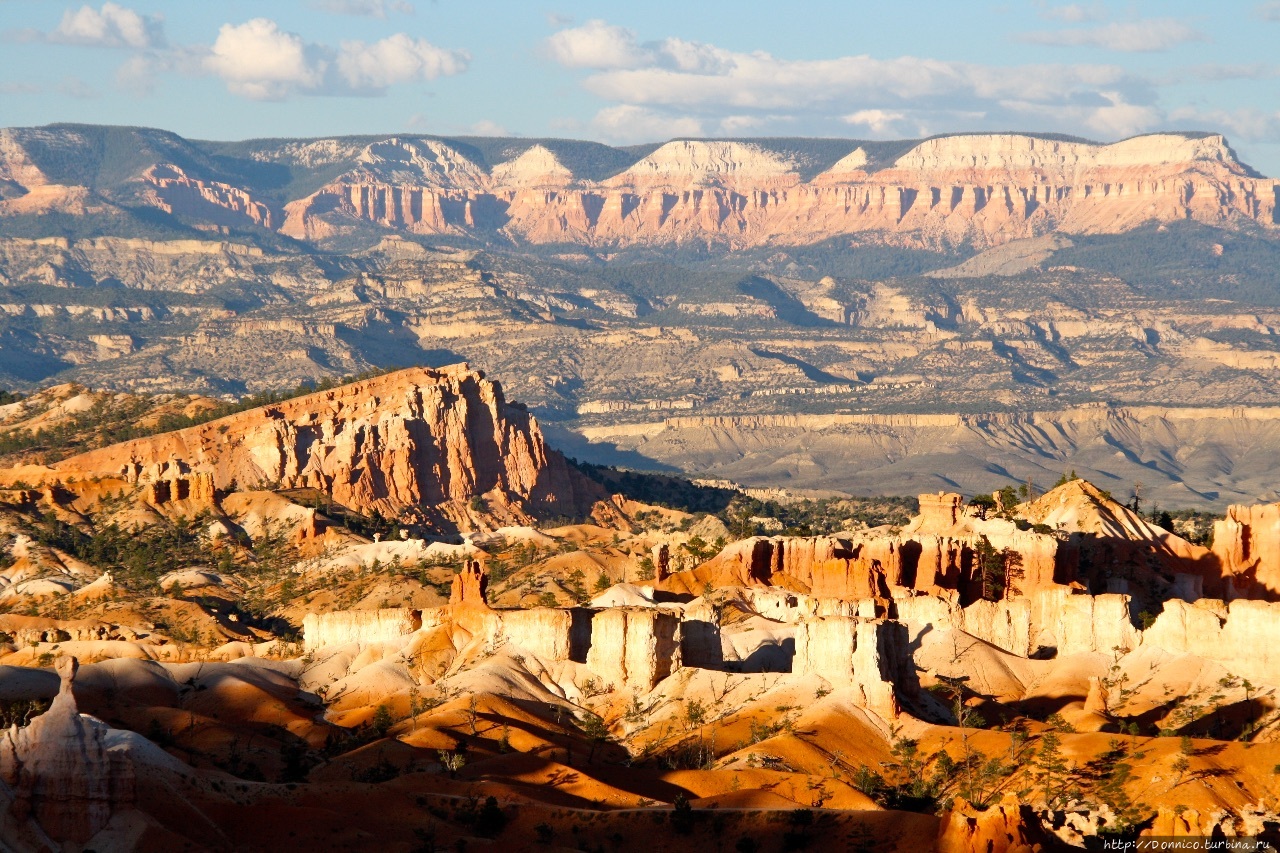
<point>443,444</point>
<point>968,189</point>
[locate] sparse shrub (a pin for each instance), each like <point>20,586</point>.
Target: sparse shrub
<point>382,720</point>
<point>682,815</point>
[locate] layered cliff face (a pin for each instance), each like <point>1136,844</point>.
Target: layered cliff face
<point>418,440</point>
<point>1073,535</point>
<point>1247,542</point>
<point>980,190</point>
<point>213,201</point>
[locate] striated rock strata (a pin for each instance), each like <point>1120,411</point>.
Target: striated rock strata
<point>419,440</point>
<point>982,189</point>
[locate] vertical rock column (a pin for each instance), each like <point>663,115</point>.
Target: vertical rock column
<point>60,770</point>
<point>634,646</point>
<point>865,653</point>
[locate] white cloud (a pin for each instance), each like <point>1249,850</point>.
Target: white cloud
<point>1249,124</point>
<point>674,87</point>
<point>258,60</point>
<point>596,44</point>
<point>738,125</point>
<point>396,59</point>
<point>485,127</point>
<point>363,8</point>
<point>112,25</point>
<point>1072,13</point>
<point>627,123</point>
<point>1120,118</point>
<point>1269,11</point>
<point>877,121</point>
<point>1146,36</point>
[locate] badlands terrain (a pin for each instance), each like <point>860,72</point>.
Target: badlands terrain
<point>282,568</point>
<point>387,612</point>
<point>797,313</point>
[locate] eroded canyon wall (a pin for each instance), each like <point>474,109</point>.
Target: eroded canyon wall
<point>420,439</point>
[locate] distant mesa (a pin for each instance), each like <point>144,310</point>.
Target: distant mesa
<point>972,189</point>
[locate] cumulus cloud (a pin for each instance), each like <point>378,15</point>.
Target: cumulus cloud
<point>363,8</point>
<point>677,87</point>
<point>597,45</point>
<point>1146,36</point>
<point>877,121</point>
<point>259,60</point>
<point>396,59</point>
<point>111,25</point>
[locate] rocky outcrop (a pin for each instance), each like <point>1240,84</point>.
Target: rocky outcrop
<point>869,654</point>
<point>1072,537</point>
<point>1247,542</point>
<point>469,587</point>
<point>417,441</point>
<point>60,770</point>
<point>1006,827</point>
<point>173,191</point>
<point>634,646</point>
<point>341,627</point>
<point>872,565</point>
<point>550,633</point>
<point>939,512</point>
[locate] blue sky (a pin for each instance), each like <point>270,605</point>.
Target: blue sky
<point>644,71</point>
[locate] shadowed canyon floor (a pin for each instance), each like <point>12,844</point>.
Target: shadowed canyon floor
<point>387,610</point>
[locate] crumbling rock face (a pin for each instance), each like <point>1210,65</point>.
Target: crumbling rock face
<point>871,654</point>
<point>342,627</point>
<point>1247,542</point>
<point>469,587</point>
<point>62,775</point>
<point>872,565</point>
<point>174,191</point>
<point>1007,827</point>
<point>419,440</point>
<point>634,646</point>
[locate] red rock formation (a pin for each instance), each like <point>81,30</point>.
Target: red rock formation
<point>1247,542</point>
<point>469,587</point>
<point>871,565</point>
<point>213,201</point>
<point>1081,537</point>
<point>420,440</point>
<point>939,512</point>
<point>1007,827</point>
<point>977,189</point>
